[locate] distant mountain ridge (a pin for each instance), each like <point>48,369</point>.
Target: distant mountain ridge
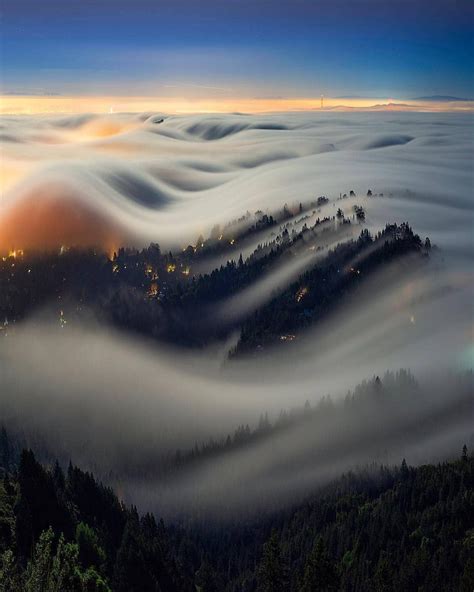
<point>440,98</point>
<point>444,98</point>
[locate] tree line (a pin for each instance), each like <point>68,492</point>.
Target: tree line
<point>383,529</point>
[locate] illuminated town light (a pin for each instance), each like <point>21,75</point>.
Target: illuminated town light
<point>62,319</point>
<point>153,290</point>
<point>301,294</point>
<point>288,337</point>
<point>14,253</point>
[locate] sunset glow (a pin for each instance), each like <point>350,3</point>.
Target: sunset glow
<point>30,105</point>
<point>236,287</point>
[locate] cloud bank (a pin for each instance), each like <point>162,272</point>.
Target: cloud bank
<point>111,402</point>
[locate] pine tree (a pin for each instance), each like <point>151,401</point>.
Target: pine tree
<point>320,574</point>
<point>38,506</point>
<point>10,580</point>
<point>59,572</point>
<point>206,578</point>
<point>58,477</point>
<point>90,551</point>
<point>404,470</point>
<point>5,451</point>
<point>39,568</point>
<point>128,573</point>
<point>65,573</point>
<point>272,572</point>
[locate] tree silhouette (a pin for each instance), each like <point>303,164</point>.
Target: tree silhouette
<point>272,572</point>
<point>320,574</point>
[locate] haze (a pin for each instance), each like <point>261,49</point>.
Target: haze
<point>115,180</point>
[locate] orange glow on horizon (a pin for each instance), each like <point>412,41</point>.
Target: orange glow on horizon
<point>30,105</point>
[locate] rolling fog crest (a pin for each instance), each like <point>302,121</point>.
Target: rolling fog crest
<point>121,179</point>
<point>276,464</point>
<point>359,300</point>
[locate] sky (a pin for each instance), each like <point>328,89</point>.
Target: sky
<point>258,49</point>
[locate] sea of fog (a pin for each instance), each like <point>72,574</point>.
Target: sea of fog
<point>140,178</point>
<point>119,179</point>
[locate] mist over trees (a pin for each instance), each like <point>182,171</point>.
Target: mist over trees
<point>381,528</point>
<point>159,295</point>
<point>189,415</point>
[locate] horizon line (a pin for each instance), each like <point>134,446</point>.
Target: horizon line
<point>17,104</point>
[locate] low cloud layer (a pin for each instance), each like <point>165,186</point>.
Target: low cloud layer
<point>156,178</point>
<point>118,405</point>
<point>113,403</point>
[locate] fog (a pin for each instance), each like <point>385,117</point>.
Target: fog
<point>118,405</point>
<point>132,178</point>
<point>112,402</point>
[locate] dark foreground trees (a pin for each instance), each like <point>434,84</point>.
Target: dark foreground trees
<point>379,529</point>
<point>409,529</point>
<point>69,533</point>
<point>272,573</point>
<point>320,573</point>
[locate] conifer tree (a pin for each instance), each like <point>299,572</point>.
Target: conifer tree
<point>320,575</point>
<point>272,572</point>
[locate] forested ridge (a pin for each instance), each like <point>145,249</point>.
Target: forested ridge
<point>383,526</point>
<point>179,297</point>
<point>380,528</point>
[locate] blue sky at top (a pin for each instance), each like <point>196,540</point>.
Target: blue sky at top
<point>259,48</point>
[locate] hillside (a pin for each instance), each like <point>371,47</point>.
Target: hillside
<point>399,528</point>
